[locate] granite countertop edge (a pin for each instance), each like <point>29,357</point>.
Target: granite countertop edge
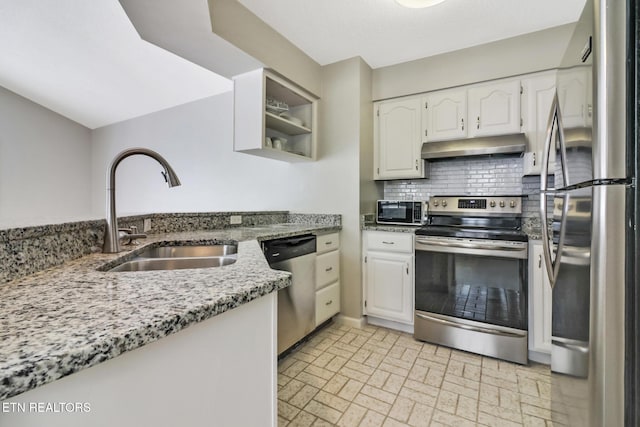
<point>372,226</point>
<point>73,316</point>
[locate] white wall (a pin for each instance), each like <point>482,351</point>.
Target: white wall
<point>44,165</point>
<point>197,139</point>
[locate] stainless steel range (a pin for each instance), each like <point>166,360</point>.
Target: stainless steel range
<point>471,276</point>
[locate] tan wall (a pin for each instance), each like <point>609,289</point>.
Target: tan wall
<point>370,190</point>
<point>239,26</point>
<point>340,127</point>
<point>528,53</point>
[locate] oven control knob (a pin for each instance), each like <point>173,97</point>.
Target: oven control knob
<point>502,203</point>
<point>444,203</point>
<point>512,203</point>
<point>492,203</point>
<point>435,203</point>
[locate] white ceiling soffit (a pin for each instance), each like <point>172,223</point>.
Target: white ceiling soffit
<point>384,33</point>
<point>184,28</point>
<point>85,61</point>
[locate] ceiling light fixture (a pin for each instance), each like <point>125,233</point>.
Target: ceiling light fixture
<point>415,4</point>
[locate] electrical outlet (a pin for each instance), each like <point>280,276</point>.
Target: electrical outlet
<point>146,225</point>
<point>235,219</point>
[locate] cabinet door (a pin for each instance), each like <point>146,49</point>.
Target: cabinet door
<point>536,103</point>
<point>494,109</point>
<point>397,139</point>
<point>539,301</point>
<point>327,302</point>
<point>446,115</point>
<point>574,88</point>
<point>389,286</point>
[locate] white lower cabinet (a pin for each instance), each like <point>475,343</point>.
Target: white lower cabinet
<point>327,302</point>
<point>327,277</point>
<point>389,276</point>
<point>539,302</point>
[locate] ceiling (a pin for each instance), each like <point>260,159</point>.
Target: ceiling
<point>384,33</point>
<point>85,61</point>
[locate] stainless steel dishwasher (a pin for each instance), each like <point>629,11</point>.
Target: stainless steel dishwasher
<point>296,303</point>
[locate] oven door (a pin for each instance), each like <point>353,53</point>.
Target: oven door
<point>471,294</point>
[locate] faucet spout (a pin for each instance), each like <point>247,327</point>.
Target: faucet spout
<point>111,237</point>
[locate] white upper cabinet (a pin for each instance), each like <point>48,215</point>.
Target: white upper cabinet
<point>273,117</point>
<point>445,115</point>
<point>494,108</point>
<point>574,89</point>
<point>536,104</point>
<point>397,139</point>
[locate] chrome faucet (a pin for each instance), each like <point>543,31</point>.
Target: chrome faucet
<point>112,234</point>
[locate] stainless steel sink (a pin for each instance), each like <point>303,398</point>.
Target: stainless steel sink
<point>174,263</point>
<point>177,257</point>
<point>189,251</point>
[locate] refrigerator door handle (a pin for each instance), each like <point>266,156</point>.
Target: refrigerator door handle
<point>554,123</point>
<point>551,124</point>
<point>552,265</point>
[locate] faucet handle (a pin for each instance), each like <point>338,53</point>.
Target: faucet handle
<point>131,234</point>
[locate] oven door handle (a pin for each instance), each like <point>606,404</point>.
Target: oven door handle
<point>470,328</point>
<point>469,245</point>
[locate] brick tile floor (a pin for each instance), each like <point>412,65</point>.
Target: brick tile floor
<point>374,376</point>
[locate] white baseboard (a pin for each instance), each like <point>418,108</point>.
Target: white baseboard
<point>390,324</point>
<point>354,322</point>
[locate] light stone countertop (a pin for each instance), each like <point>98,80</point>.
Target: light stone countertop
<point>67,318</point>
<point>372,226</point>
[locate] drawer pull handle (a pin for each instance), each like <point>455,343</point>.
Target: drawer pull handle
<point>329,302</point>
<point>328,269</point>
<point>388,243</point>
<point>328,243</point>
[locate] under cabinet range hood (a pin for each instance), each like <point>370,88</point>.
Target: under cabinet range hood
<point>503,144</point>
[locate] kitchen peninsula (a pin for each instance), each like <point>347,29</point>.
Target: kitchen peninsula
<point>67,318</point>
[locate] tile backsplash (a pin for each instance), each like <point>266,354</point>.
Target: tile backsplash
<point>482,176</point>
<point>466,176</point>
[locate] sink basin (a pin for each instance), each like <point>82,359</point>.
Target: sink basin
<point>179,257</point>
<point>189,251</point>
<point>150,264</point>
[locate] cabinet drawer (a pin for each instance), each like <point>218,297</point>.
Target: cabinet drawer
<point>328,242</point>
<point>327,268</point>
<point>327,302</point>
<point>389,242</point>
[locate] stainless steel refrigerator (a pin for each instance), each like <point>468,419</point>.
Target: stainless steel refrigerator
<point>589,211</point>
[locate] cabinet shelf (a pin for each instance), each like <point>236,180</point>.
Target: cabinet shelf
<point>283,125</point>
<point>289,156</point>
<point>253,124</point>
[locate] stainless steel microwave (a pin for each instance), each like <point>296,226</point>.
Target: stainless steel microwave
<point>401,212</point>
